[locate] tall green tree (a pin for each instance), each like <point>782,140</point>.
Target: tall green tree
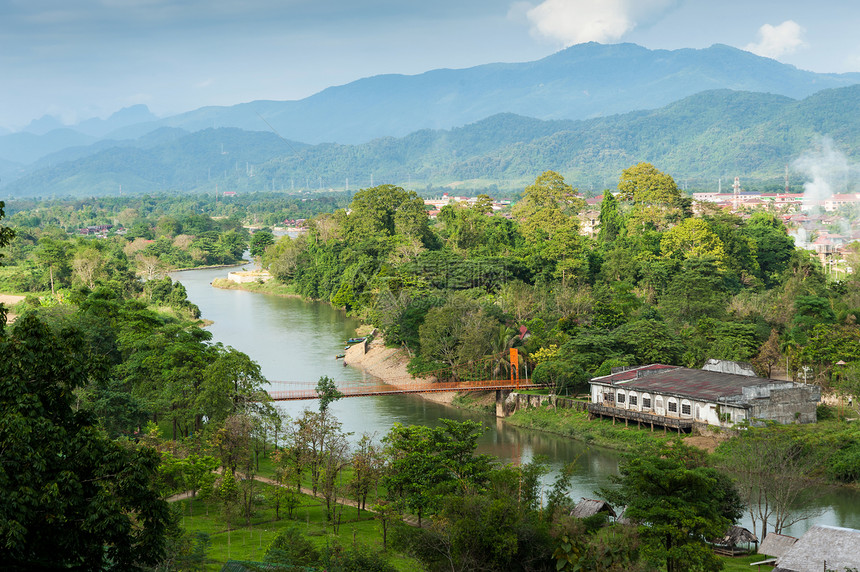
<point>426,463</point>
<point>679,503</point>
<point>654,195</point>
<point>69,496</point>
<point>611,220</point>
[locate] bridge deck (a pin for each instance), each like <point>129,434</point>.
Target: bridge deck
<point>309,392</point>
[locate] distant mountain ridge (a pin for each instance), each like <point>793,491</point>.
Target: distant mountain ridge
<point>581,82</point>
<point>710,135</point>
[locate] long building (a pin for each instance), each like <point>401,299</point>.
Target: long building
<point>679,397</point>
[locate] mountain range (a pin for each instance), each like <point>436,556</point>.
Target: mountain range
<point>587,111</point>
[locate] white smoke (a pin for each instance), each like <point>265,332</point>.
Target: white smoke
<point>775,41</point>
<point>576,21</point>
<point>827,170</point>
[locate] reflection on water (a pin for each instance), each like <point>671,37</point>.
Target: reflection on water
<point>294,340</point>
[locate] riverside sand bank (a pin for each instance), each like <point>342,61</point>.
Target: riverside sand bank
<point>10,300</point>
<point>389,365</point>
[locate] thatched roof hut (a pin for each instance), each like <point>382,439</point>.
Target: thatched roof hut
<point>730,543</point>
<point>776,544</point>
<point>822,546</point>
<point>590,507</point>
<point>736,535</point>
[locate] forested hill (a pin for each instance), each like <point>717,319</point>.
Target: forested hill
<point>580,82</point>
<point>709,135</point>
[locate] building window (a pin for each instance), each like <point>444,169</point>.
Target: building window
<point>608,397</point>
<point>685,409</point>
<point>633,400</point>
<point>620,398</point>
<point>673,407</point>
<point>646,402</point>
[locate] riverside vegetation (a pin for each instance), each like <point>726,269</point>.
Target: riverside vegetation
<point>656,284</point>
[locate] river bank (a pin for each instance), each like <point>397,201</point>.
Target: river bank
<point>389,365</point>
<point>8,301</point>
<point>270,287</point>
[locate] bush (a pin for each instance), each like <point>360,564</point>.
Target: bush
<point>291,547</point>
<point>359,559</point>
<point>824,412</point>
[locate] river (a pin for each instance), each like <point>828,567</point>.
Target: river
<point>296,340</point>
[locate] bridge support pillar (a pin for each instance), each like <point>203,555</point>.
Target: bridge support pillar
<point>501,396</point>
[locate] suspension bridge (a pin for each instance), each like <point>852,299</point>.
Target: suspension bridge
<point>483,375</point>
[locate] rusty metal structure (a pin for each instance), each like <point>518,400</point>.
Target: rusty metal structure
<point>484,375</point>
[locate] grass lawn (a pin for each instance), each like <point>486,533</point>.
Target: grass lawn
<point>577,425</point>
<point>738,563</point>
<point>250,542</point>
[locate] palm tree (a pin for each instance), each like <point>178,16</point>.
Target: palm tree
<point>501,342</point>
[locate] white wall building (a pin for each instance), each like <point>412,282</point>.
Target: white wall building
<point>680,397</point>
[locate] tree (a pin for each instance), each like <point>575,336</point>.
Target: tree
<point>198,472</point>
<point>384,211</point>
<point>773,245</point>
<point>457,333</point>
<point>86,266</point>
<point>367,464</point>
<point>227,493</point>
<point>650,341</point>
<point>69,497</point>
<point>696,292</point>
<point>425,463</point>
<point>768,355</point>
<point>692,238</point>
<point>643,183</point>
<point>655,196</point>
<point>260,241</point>
<point>681,504</point>
<point>6,236</point>
<point>52,254</point>
<point>611,220</point>
<point>232,384</point>
<point>328,392</point>
<point>775,476</point>
<point>546,221</point>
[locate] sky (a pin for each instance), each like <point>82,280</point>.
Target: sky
<point>78,59</point>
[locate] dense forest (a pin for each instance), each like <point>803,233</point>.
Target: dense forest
<point>656,284</point>
<point>133,402</point>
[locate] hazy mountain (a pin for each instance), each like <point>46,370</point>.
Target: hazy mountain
<point>25,147</point>
<point>584,81</point>
<point>580,82</point>
<point>134,115</point>
<point>713,134</point>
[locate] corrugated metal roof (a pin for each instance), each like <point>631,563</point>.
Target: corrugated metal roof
<point>694,383</point>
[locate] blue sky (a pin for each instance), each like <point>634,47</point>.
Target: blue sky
<point>77,59</point>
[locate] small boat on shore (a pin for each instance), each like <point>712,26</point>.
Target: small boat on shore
<point>340,356</point>
<point>355,340</point>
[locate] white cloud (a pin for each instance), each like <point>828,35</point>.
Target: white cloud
<point>775,41</point>
<point>576,21</point>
